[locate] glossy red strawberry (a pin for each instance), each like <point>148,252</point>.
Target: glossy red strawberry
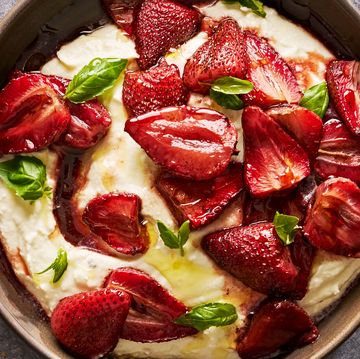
<point>76,319</point>
<point>153,308</point>
<point>273,160</point>
<point>255,255</point>
<point>222,55</point>
<point>190,142</point>
<point>273,81</point>
<point>277,325</point>
<point>343,79</point>
<point>115,218</point>
<point>200,202</point>
<point>302,124</point>
<point>333,221</point>
<point>32,116</point>
<point>339,153</point>
<point>161,25</point>
<point>161,86</point>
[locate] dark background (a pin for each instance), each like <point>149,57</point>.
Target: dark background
<point>13,347</point>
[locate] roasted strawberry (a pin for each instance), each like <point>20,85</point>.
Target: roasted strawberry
<point>255,255</point>
<point>222,55</point>
<point>75,320</point>
<point>333,221</point>
<point>151,90</point>
<point>302,124</point>
<point>198,2</point>
<point>190,142</point>
<point>339,153</point>
<point>343,79</point>
<point>276,326</point>
<point>32,116</point>
<point>200,202</point>
<point>273,81</point>
<point>153,309</point>
<point>115,218</point>
<point>273,160</point>
<point>160,25</point>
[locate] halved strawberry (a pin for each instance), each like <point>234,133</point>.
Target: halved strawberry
<point>192,143</point>
<point>32,116</point>
<point>302,124</point>
<point>77,318</point>
<point>153,309</point>
<point>160,25</point>
<point>255,255</point>
<point>273,160</point>
<point>200,202</point>
<point>277,325</point>
<point>161,86</point>
<point>115,218</point>
<point>273,80</point>
<point>339,153</point>
<point>333,221</point>
<point>222,55</point>
<point>343,79</point>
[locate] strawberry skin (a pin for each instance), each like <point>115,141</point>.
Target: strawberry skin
<point>146,91</point>
<point>277,325</point>
<point>76,319</point>
<point>273,160</point>
<point>273,80</point>
<point>222,55</point>
<point>343,79</point>
<point>254,255</point>
<point>160,25</point>
<point>191,143</point>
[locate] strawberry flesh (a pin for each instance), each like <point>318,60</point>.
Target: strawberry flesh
<point>115,218</point>
<point>273,160</point>
<point>277,325</point>
<point>191,143</point>
<point>333,221</point>
<point>200,202</point>
<point>76,318</point>
<point>343,79</point>
<point>222,55</point>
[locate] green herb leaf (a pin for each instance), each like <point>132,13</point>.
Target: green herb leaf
<point>59,266</point>
<point>231,102</point>
<point>26,176</point>
<point>255,5</point>
<point>94,79</point>
<point>286,227</point>
<point>209,315</point>
<point>171,240</point>
<point>232,86</point>
<point>183,235</point>
<point>316,99</point>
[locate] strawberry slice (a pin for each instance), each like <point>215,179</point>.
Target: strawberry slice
<point>115,218</point>
<point>273,160</point>
<point>150,90</point>
<point>339,153</point>
<point>277,325</point>
<point>160,25</point>
<point>343,79</point>
<point>200,202</point>
<point>255,255</point>
<point>153,308</point>
<point>190,142</point>
<point>273,80</point>
<point>222,55</point>
<point>302,124</point>
<point>76,318</point>
<point>333,221</point>
<point>32,116</point>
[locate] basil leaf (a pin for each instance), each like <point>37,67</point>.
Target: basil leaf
<point>316,99</point>
<point>59,266</point>
<point>232,86</point>
<point>26,176</point>
<point>209,315</point>
<point>183,235</point>
<point>286,227</point>
<point>231,102</point>
<point>94,79</point>
<point>255,5</point>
